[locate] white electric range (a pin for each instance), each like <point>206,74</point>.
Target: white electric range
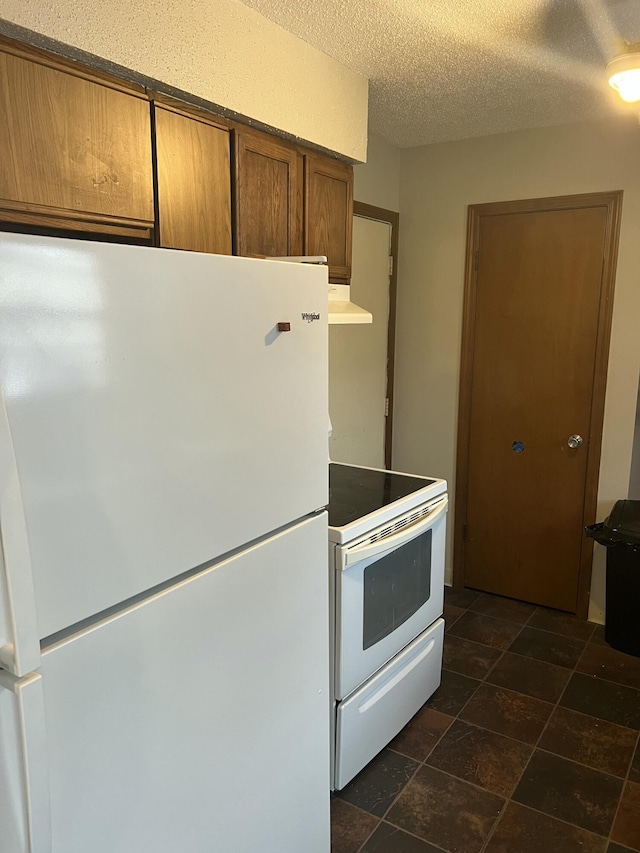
<point>386,565</point>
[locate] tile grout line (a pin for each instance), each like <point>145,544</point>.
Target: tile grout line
<point>493,618</point>
<point>504,651</point>
<point>392,803</point>
<point>483,680</point>
<point>504,618</point>
<point>535,746</point>
<point>552,818</point>
<point>607,681</point>
<point>586,640</point>
<point>496,823</point>
<point>587,766</point>
<point>419,765</point>
<point>559,633</point>
<point>533,752</point>
<point>451,776</point>
<point>509,799</point>
<point>624,786</point>
<point>408,832</point>
<point>526,624</point>
<point>572,670</point>
<point>600,677</point>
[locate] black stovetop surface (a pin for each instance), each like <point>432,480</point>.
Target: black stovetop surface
<point>355,492</point>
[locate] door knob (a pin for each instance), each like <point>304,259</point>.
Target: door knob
<point>574,441</point>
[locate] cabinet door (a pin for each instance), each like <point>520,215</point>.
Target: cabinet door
<point>268,195</point>
<point>71,145</point>
<point>328,215</point>
<point>194,183</point>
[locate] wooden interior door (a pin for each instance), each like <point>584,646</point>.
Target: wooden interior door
<point>537,318</point>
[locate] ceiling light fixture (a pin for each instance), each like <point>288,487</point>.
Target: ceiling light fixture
<point>624,73</point>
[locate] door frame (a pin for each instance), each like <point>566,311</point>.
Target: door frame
<point>612,201</point>
<point>380,214</point>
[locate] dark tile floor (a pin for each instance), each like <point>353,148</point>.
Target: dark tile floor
<point>529,746</point>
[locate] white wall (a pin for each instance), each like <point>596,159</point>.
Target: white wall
<point>358,354</point>
<point>377,181</point>
<point>437,183</point>
<point>221,51</point>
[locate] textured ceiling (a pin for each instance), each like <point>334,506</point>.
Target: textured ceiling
<point>452,69</point>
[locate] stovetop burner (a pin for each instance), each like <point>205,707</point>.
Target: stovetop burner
<point>345,512</point>
<point>355,492</point>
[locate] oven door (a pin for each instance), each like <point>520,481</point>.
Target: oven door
<point>389,588</point>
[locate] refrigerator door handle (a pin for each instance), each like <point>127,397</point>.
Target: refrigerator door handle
<point>19,642</point>
<point>33,747</point>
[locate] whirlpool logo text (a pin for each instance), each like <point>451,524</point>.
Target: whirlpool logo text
<point>310,316</point>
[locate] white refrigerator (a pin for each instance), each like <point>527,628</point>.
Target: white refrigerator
<point>163,587</point>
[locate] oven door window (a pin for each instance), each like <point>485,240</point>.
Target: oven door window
<point>395,587</point>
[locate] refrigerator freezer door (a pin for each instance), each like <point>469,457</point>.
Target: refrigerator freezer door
<point>197,721</point>
<point>158,417</point>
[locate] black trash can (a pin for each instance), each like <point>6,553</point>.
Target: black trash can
<point>620,534</point>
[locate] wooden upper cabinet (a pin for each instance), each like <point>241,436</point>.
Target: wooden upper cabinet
<point>75,146</point>
<point>268,195</point>
<point>194,182</point>
<point>328,214</point>
<point>76,155</point>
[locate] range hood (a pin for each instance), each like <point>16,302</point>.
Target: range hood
<point>341,309</point>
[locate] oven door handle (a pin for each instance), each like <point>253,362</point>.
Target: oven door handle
<point>405,534</point>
